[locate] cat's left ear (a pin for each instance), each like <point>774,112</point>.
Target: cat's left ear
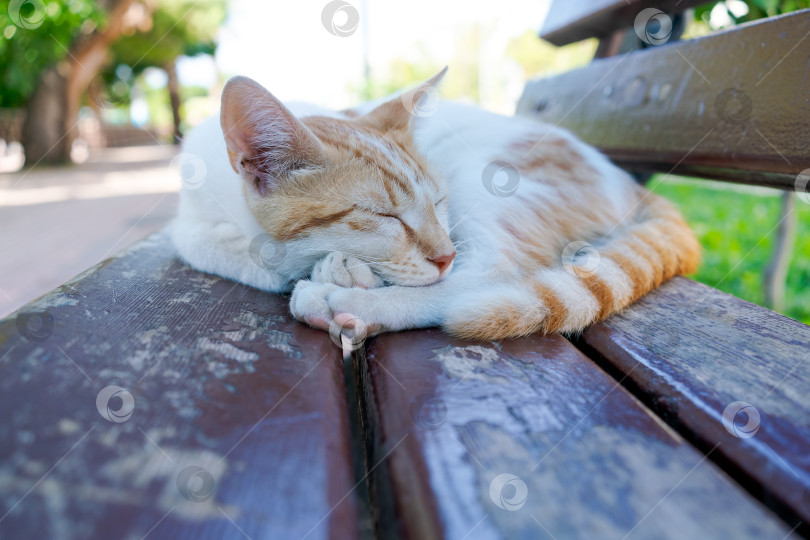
<point>398,113</point>
<point>265,141</point>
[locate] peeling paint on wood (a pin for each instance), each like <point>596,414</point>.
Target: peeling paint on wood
<point>700,356</point>
<point>561,451</point>
<point>144,397</point>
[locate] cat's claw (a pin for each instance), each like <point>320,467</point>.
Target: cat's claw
<point>345,271</point>
<point>323,305</point>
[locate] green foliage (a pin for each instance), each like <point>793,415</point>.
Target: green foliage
<point>757,9</point>
<point>737,234</point>
<point>24,53</point>
<point>179,27</point>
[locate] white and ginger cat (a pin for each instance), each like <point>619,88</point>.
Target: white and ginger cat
<point>489,226</point>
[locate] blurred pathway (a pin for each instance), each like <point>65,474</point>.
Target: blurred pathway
<point>57,222</point>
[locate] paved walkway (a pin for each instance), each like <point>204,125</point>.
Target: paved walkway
<point>57,222</point>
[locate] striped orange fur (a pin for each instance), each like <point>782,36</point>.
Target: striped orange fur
<point>395,190</point>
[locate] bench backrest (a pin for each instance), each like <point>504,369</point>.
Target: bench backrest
<point>733,106</point>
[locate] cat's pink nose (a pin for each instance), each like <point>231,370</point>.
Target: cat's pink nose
<point>443,261</point>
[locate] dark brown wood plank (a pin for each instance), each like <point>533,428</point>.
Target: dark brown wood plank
<point>445,419</point>
<point>734,105</point>
<point>237,424</point>
<point>699,357</point>
<point>568,22</point>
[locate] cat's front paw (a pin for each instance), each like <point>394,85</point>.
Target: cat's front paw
<point>331,308</point>
<point>309,303</point>
<point>345,271</point>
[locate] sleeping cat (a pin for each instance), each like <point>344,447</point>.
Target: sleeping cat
<point>415,212</point>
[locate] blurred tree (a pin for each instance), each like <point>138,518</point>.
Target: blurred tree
<point>179,27</point>
<point>70,44</point>
<point>541,58</point>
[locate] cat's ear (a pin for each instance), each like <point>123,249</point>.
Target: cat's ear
<point>398,113</point>
<point>265,141</point>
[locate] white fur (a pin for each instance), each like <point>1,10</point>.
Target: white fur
<point>214,229</point>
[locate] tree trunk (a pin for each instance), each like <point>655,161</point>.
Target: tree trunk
<point>43,134</point>
<point>53,112</point>
<point>174,97</point>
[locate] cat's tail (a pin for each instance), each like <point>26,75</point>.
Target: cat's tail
<point>590,283</point>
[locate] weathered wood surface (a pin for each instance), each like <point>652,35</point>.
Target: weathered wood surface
<point>734,105</point>
<point>446,420</point>
<point>568,22</point>
<point>229,419</point>
<point>728,373</point>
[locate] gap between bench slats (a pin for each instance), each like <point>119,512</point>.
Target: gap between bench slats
<point>735,100</point>
<point>729,374</point>
<point>237,422</point>
<point>529,439</point>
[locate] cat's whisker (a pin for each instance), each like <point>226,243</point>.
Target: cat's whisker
<point>463,241</point>
<point>463,218</point>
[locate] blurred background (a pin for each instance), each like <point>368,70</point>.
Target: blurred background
<point>96,95</point>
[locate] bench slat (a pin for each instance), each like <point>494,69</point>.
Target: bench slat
<point>223,382</point>
<point>694,352</point>
<point>569,22</point>
<point>676,108</point>
<point>447,418</point>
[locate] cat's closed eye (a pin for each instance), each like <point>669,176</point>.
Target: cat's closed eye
<point>376,212</point>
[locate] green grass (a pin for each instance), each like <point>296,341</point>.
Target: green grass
<point>736,226</point>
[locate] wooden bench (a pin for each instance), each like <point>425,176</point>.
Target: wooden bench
<point>146,400</point>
